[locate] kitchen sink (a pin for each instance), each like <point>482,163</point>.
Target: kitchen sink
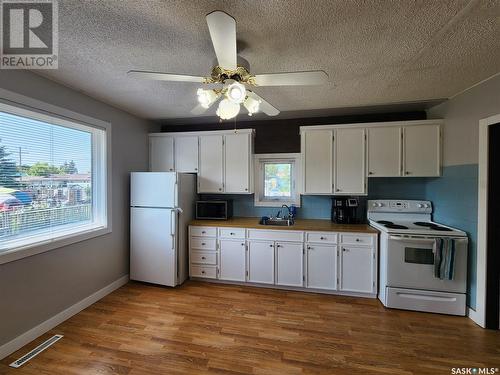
<point>279,222</point>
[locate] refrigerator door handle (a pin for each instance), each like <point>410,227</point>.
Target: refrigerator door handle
<point>173,217</point>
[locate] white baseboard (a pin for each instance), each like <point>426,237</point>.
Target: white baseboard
<point>475,317</point>
<point>27,337</point>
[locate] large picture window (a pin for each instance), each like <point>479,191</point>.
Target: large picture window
<point>52,178</point>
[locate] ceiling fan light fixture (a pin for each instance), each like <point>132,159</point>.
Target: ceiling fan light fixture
<point>206,97</point>
<point>236,92</point>
<point>251,105</point>
<point>227,109</point>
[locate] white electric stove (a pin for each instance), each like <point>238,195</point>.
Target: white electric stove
<point>407,259</point>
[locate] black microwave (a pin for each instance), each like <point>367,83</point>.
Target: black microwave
<point>214,210</point>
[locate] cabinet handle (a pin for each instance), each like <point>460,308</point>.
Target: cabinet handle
<point>232,234</point>
<point>203,232</point>
<point>337,190</point>
<point>203,272</point>
<point>203,258</point>
<point>203,244</point>
<point>357,240</point>
<point>309,248</point>
<point>220,189</point>
<point>322,238</point>
<point>278,246</point>
<point>242,244</point>
<point>196,169</point>
<point>271,245</point>
<point>344,249</point>
<point>407,172</point>
<point>246,189</point>
<point>370,173</point>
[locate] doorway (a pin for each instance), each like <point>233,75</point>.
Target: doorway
<point>493,236</point>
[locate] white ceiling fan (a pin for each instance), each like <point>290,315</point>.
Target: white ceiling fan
<point>231,82</point>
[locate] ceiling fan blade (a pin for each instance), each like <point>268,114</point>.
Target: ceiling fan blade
<point>198,110</point>
<point>158,76</point>
<point>264,106</point>
<point>314,77</point>
<point>222,29</point>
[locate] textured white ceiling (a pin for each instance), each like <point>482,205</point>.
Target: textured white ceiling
<point>375,52</point>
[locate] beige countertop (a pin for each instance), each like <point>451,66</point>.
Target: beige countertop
<point>300,224</point>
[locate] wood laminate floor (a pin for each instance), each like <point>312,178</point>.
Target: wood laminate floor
<point>203,328</point>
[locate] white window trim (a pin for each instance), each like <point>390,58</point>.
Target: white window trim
<point>259,179</point>
<point>22,105</point>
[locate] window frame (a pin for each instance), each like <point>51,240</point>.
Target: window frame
<point>259,161</point>
<point>21,105</point>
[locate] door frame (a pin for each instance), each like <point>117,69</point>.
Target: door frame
<point>479,314</point>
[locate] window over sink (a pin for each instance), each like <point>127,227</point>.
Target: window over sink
<point>276,177</point>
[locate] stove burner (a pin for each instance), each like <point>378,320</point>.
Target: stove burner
<point>432,226</point>
<point>395,226</point>
<point>439,228</point>
<point>385,222</point>
<point>424,224</point>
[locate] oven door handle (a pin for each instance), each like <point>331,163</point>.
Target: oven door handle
<point>419,240</point>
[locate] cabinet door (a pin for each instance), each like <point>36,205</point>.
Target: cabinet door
<point>356,269</point>
<point>317,154</point>
<point>261,262</point>
<point>290,265</point>
<point>422,151</point>
<point>210,176</point>
<point>238,161</point>
<point>161,154</point>
<point>232,260</point>
<point>186,154</point>
<point>384,152</point>
<point>321,266</point>
<point>350,158</point>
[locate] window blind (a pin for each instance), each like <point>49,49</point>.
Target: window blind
<point>46,183</point>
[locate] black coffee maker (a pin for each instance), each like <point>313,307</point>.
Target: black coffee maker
<point>344,210</point>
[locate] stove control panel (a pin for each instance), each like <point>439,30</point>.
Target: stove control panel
<point>400,206</point>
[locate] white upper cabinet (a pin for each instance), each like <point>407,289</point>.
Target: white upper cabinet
<point>289,264</point>
<point>186,154</point>
<point>350,156</point>
<point>317,156</point>
<point>211,164</point>
<point>384,151</point>
<point>238,163</point>
<point>422,151</point>
<point>161,154</point>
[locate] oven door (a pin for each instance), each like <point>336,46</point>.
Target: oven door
<point>411,264</point>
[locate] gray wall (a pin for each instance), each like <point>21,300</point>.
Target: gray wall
<point>36,288</point>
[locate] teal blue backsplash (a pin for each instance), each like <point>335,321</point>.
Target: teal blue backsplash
<point>454,197</point>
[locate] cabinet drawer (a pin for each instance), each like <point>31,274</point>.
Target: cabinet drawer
<point>204,257</point>
<point>210,272</point>
<point>321,237</point>
<point>275,235</point>
<point>203,243</point>
<point>355,239</point>
<point>203,231</point>
<point>232,233</point>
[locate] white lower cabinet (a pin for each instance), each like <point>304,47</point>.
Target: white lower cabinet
<point>357,269</point>
<point>260,262</point>
<point>289,263</point>
<point>321,261</point>
<point>232,260</point>
<point>333,262</point>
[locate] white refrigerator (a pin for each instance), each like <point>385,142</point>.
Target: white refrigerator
<point>161,206</point>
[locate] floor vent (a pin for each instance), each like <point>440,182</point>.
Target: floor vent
<point>40,348</point>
